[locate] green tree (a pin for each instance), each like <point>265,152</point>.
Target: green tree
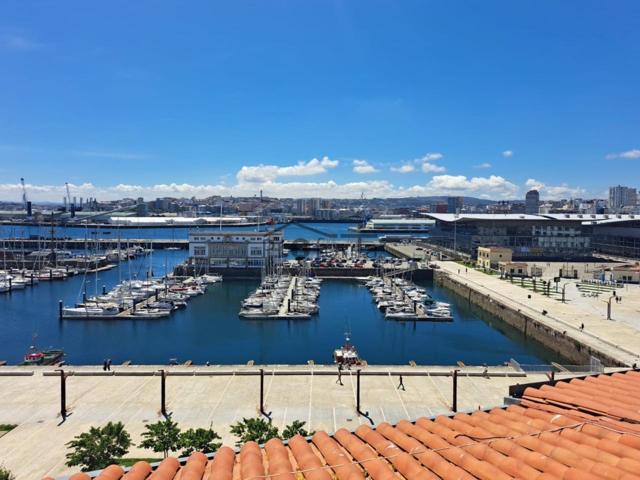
<point>162,436</point>
<point>98,447</point>
<point>5,474</point>
<point>256,429</point>
<point>199,440</point>
<point>295,428</point>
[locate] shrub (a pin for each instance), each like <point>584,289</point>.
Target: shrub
<point>254,429</point>
<point>199,440</point>
<point>98,447</point>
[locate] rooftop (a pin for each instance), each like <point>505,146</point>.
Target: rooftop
<point>456,217</point>
<point>583,429</point>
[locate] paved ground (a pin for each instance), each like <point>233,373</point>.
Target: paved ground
<point>309,393</point>
<point>619,337</point>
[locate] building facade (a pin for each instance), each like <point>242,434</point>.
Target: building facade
<point>532,202</point>
<point>216,250</point>
<point>490,257</point>
<point>622,198</point>
<point>528,236</point>
<point>455,204</point>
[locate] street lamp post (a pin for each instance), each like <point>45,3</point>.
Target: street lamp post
<point>609,307</point>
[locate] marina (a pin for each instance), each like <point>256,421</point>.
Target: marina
<point>283,297</point>
<point>401,299</point>
<point>139,299</point>
<point>210,330</point>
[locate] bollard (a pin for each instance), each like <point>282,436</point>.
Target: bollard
<point>163,393</point>
<point>454,407</point>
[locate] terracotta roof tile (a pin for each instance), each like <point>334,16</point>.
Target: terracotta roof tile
<point>581,429</point>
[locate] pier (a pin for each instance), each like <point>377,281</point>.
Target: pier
<point>33,244</point>
<point>219,395</point>
<point>578,329</point>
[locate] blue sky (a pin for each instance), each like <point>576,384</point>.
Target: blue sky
<point>326,98</point>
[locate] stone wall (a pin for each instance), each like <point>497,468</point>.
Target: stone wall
<point>560,342</point>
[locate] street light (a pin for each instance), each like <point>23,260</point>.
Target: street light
<point>609,306</point>
<point>564,286</point>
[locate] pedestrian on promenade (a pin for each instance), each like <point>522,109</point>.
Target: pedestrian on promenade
<point>401,384</point>
<point>104,365</point>
<point>108,364</point>
<point>339,381</point>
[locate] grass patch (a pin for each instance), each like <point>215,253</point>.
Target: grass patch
<point>7,427</point>
<point>129,462</point>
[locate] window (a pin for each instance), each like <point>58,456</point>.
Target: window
<point>199,251</point>
<point>255,252</point>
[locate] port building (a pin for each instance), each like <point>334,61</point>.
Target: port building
<point>560,236</point>
<point>216,250</point>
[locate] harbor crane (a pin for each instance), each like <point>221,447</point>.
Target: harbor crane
<point>24,193</point>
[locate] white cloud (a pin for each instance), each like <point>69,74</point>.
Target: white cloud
<point>431,168</point>
<point>430,157</point>
<point>507,153</point>
<point>632,154</point>
<point>483,165</point>
<point>363,167</point>
<point>406,168</point>
<point>493,185</point>
<point>426,164</point>
<point>555,192</point>
<point>264,173</point>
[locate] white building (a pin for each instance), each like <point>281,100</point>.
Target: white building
<point>223,249</point>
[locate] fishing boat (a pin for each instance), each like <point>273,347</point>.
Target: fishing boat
<point>43,357</point>
<point>347,354</point>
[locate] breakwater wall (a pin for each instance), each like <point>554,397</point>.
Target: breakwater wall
<point>321,272</point>
<point>531,324</point>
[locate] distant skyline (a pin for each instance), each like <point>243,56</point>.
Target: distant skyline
<point>319,99</point>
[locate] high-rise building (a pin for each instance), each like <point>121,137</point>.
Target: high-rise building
<point>621,197</point>
<point>454,204</point>
<point>532,202</point>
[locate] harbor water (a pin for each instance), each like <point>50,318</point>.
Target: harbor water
<point>209,329</point>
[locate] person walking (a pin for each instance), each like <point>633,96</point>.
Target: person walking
<point>401,384</point>
<point>104,365</point>
<point>339,380</point>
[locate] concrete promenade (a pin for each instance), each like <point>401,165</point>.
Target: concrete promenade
<point>618,338</point>
<point>219,396</point>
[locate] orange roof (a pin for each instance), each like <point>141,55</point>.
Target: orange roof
<point>580,429</point>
